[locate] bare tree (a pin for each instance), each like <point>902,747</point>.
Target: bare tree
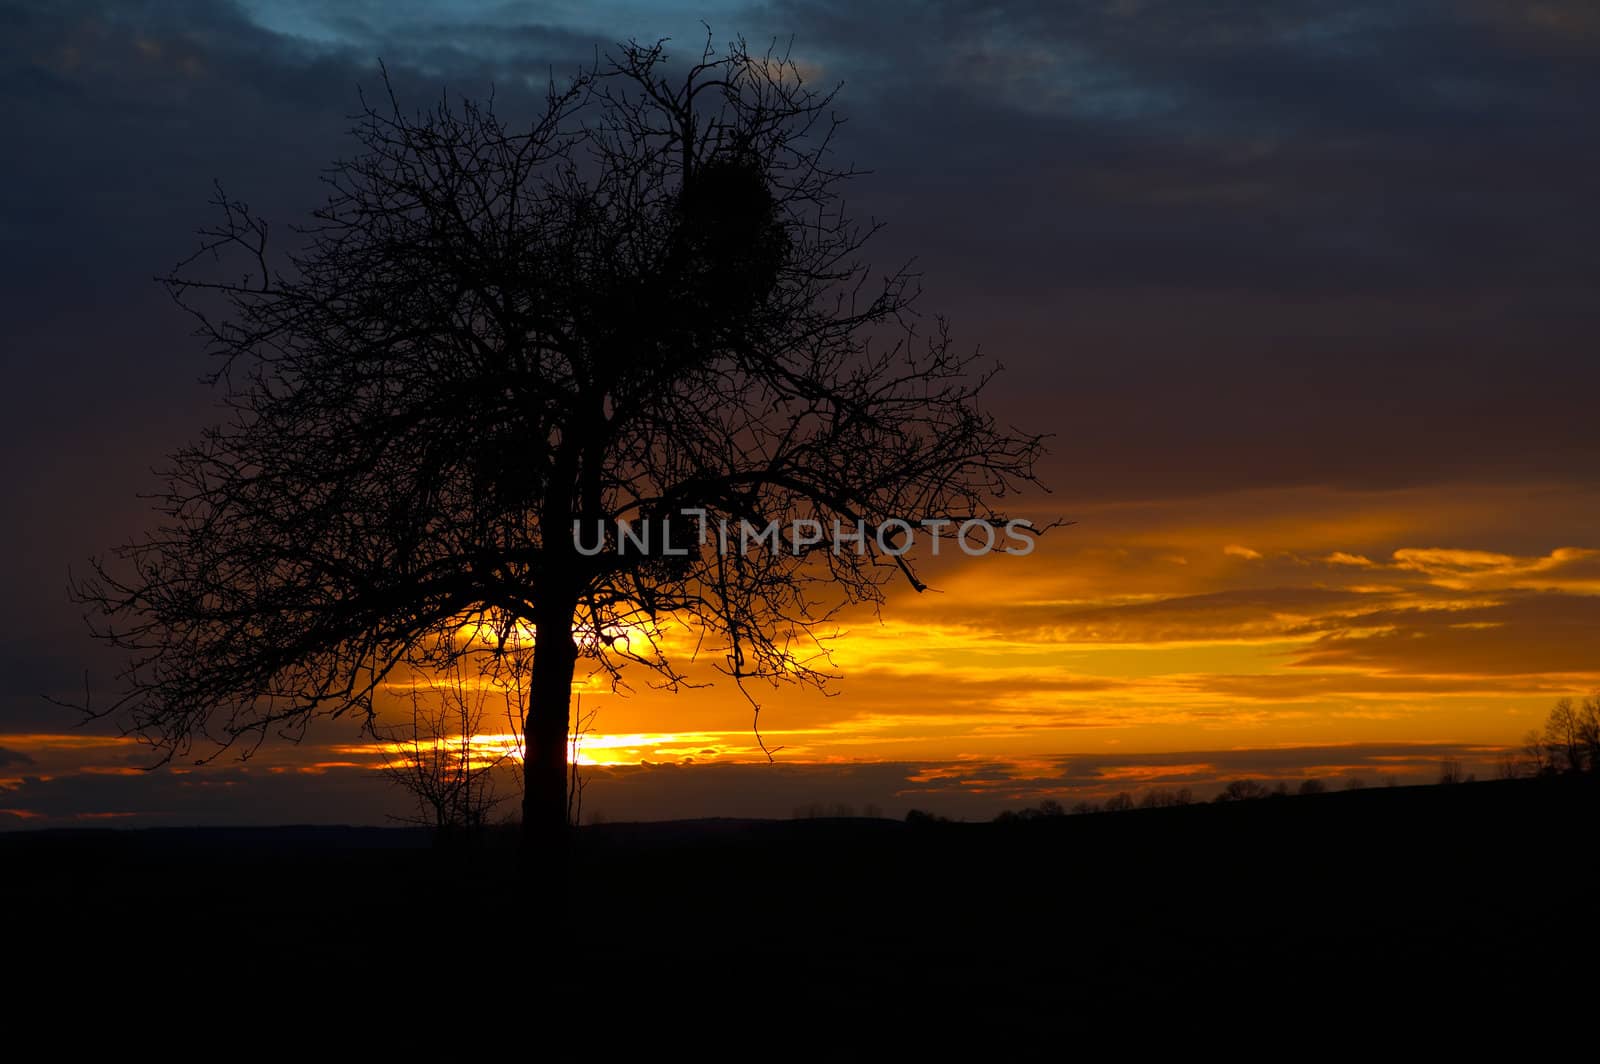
<point>1161,798</point>
<point>1243,791</point>
<point>1534,755</point>
<point>1570,741</point>
<point>1564,737</point>
<point>440,757</point>
<point>583,724</point>
<point>647,304</point>
<point>1588,728</point>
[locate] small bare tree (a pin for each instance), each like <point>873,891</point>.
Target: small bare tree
<point>1534,757</point>
<point>440,755</point>
<point>1245,790</point>
<point>1563,737</point>
<point>582,726</point>
<point>1588,728</point>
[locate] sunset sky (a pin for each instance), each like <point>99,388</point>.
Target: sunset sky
<point>1305,293</point>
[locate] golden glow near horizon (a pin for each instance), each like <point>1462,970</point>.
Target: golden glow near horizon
<point>1308,617</point>
<point>1296,620</point>
<point>1285,627</point>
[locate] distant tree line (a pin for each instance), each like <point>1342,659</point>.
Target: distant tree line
<point>1568,745</point>
<point>1168,798</point>
<point>835,810</point>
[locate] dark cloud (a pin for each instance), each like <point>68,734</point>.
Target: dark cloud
<point>222,795</point>
<point>123,117</point>
<point>1302,686</point>
<point>1217,245</point>
<point>1301,148</point>
<point>13,757</point>
<point>1250,243</point>
<point>1522,634</point>
<point>1242,613</point>
<point>1209,765</point>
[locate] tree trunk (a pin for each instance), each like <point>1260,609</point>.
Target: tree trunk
<point>546,865</point>
<point>546,735</point>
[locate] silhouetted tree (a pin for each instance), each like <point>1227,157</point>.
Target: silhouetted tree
<point>1535,756</point>
<point>1588,727</point>
<point>1046,809</point>
<point>1571,738</point>
<point>1181,796</point>
<point>646,305</point>
<point>1312,786</point>
<point>1563,739</point>
<point>583,724</point>
<point>822,810</point>
<point>1243,791</point>
<point>1120,802</point>
<point>1166,799</point>
<point>1450,771</point>
<point>439,758</point>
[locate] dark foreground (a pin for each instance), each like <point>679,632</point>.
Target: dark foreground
<point>1443,908</point>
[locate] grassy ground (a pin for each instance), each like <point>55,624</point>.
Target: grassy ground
<point>1440,909</point>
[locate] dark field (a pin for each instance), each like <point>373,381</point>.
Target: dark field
<point>1448,908</point>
